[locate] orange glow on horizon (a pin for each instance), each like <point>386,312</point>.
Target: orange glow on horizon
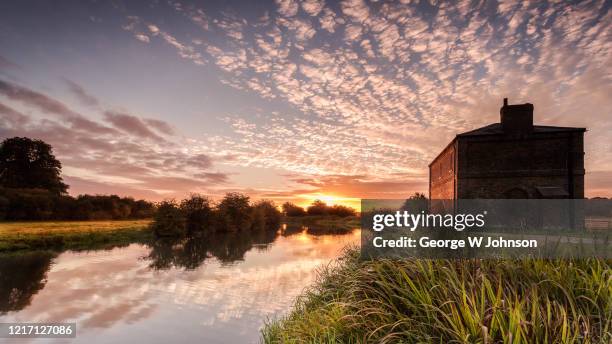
<point>305,200</point>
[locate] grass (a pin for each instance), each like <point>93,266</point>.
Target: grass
<point>452,301</point>
<point>325,224</point>
<point>75,235</point>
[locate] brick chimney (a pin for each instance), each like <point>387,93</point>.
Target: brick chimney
<point>516,118</point>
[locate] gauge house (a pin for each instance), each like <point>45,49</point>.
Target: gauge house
<point>512,159</point>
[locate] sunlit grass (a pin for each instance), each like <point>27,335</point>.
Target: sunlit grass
<point>48,227</point>
<point>70,234</point>
<point>452,301</point>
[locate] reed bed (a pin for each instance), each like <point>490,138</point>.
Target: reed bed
<point>452,301</point>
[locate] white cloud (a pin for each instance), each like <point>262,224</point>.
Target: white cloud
<point>408,80</point>
<point>355,9</point>
<point>287,8</point>
<point>142,37</point>
<point>313,7</point>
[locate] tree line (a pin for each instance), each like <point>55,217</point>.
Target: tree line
<point>31,188</point>
<point>233,213</point>
<point>198,214</point>
<point>317,208</point>
<point>38,204</point>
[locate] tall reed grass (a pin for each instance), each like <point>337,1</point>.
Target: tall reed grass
<point>452,301</point>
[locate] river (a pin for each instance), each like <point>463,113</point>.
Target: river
<point>219,289</point>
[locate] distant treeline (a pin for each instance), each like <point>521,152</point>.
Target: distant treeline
<point>317,208</point>
<point>198,214</point>
<point>39,204</point>
<point>31,188</point>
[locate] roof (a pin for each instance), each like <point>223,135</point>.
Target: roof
<point>496,129</point>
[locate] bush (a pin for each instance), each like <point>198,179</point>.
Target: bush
<point>29,204</point>
<point>341,211</point>
<point>169,220</point>
<point>317,207</point>
<point>292,210</point>
<point>265,215</point>
<point>416,203</point>
<point>234,212</point>
<point>198,213</point>
<point>40,204</point>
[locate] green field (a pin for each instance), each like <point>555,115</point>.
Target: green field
<point>324,224</point>
<point>74,235</point>
<point>452,301</point>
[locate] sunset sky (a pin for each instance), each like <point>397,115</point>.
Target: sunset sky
<point>293,100</point>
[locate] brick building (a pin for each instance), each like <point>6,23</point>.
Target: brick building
<point>511,159</point>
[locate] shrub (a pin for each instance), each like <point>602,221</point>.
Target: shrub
<point>234,212</point>
<point>265,215</point>
<point>40,204</point>
<point>341,211</point>
<point>292,210</point>
<point>317,207</point>
<point>29,204</point>
<point>416,203</point>
<point>198,213</point>
<point>169,220</point>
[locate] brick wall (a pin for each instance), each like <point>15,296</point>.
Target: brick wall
<point>498,166</point>
<point>442,174</point>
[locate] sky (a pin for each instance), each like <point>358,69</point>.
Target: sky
<point>293,101</point>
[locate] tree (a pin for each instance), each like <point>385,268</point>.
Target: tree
<point>341,211</point>
<point>235,212</point>
<point>317,207</point>
<point>30,164</point>
<point>169,220</point>
<point>198,213</point>
<point>292,210</point>
<point>266,215</point>
<point>416,203</point>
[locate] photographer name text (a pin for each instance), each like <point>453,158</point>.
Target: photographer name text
<point>454,244</point>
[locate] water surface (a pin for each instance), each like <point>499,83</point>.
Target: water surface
<point>214,290</point>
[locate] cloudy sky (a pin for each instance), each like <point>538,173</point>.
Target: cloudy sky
<point>293,100</point>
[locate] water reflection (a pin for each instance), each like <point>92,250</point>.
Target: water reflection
<point>22,276</point>
<point>213,289</point>
<point>191,252</point>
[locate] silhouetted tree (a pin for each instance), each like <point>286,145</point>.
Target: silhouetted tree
<point>292,210</point>
<point>169,220</point>
<point>341,210</point>
<point>265,215</point>
<point>30,164</point>
<point>234,212</point>
<point>198,213</point>
<point>317,207</point>
<point>416,203</point>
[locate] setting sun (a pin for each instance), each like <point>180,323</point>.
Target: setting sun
<point>307,199</point>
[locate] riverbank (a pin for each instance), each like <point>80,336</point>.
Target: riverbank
<point>324,224</point>
<point>71,235</point>
<point>463,301</point>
